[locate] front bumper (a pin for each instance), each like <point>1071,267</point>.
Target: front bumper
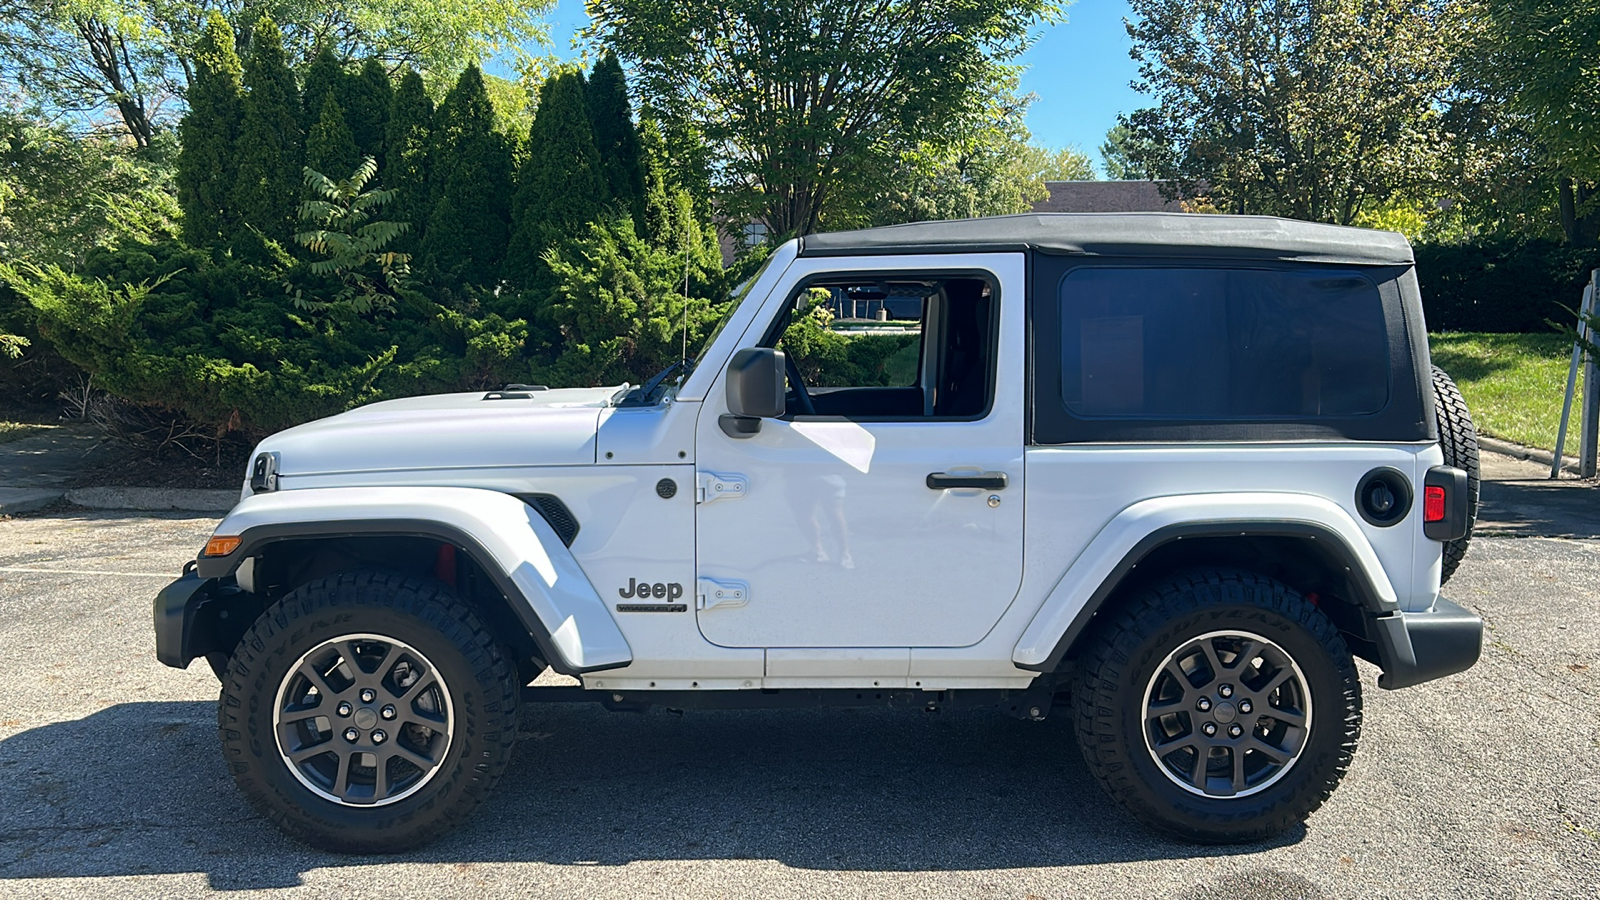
<point>1421,646</point>
<point>175,617</point>
<point>197,616</point>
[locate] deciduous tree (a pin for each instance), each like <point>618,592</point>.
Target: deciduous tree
<point>808,108</point>
<point>135,58</point>
<point>1315,109</point>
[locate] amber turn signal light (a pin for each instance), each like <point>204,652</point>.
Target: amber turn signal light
<point>222,546</point>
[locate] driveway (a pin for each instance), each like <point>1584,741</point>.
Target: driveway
<point>1485,784</point>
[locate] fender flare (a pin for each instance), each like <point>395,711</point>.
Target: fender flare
<point>508,539</point>
<point>1140,529</point>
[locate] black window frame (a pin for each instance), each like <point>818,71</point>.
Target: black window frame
<point>1406,417</point>
<point>775,329</point>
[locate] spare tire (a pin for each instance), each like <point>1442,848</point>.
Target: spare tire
<point>1459,441</point>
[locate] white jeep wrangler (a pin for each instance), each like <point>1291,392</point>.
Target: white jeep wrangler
<point>1166,474</point>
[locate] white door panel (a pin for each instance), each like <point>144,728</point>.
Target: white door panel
<point>836,532</point>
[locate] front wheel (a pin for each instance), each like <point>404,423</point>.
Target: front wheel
<point>367,712</point>
<point>1219,706</point>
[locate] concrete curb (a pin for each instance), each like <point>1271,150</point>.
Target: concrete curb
<point>21,500</point>
<point>1569,464</point>
<point>153,499</point>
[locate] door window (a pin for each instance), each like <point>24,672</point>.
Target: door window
<point>893,347</point>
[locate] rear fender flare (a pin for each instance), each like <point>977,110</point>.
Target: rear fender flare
<point>508,539</point>
<point>1139,529</point>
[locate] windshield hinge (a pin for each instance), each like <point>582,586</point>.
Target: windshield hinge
<point>710,486</point>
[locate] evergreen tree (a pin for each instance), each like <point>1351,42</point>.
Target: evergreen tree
<point>471,180</point>
<point>270,149</point>
<point>324,76</point>
<point>673,221</point>
<point>365,99</point>
<point>405,160</point>
<point>207,168</point>
<point>616,139</point>
<point>560,188</point>
<point>330,148</point>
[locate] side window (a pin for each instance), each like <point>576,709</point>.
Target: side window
<point>1211,343</point>
<point>892,347</point>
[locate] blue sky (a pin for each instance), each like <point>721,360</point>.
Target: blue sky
<point>1079,70</point>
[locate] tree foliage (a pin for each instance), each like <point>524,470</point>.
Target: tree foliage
<point>136,58</point>
<point>1316,109</point>
<point>330,147</point>
<point>1120,155</point>
<point>560,185</point>
<point>353,244</point>
<point>62,195</point>
<point>1530,74</point>
<point>271,147</point>
<point>468,225</point>
<point>622,306</point>
<point>408,137</point>
<point>616,139</point>
<point>808,109</point>
<point>207,167</point>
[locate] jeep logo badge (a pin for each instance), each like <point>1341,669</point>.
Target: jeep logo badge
<point>644,591</point>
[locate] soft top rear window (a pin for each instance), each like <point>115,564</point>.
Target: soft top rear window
<point>1222,343</point>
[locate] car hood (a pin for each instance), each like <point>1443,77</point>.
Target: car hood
<point>448,431</point>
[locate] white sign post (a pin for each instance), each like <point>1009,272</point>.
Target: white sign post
<point>1591,391</point>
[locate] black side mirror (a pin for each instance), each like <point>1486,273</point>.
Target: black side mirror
<point>755,390</point>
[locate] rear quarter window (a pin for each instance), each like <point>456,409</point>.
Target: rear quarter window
<point>1222,343</point>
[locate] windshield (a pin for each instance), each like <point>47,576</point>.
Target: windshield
<point>735,300</point>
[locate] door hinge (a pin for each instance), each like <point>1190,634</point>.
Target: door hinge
<point>710,486</point>
<point>711,594</point>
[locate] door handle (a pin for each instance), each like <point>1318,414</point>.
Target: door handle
<point>986,481</point>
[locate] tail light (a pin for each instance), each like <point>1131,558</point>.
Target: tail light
<point>1444,504</point>
<point>1433,503</point>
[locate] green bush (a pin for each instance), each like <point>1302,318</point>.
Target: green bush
<point>1502,286</point>
<point>220,342</point>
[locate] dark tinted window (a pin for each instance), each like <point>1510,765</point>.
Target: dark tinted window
<point>1222,343</point>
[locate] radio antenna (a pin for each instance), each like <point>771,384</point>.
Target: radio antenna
<point>683,357</point>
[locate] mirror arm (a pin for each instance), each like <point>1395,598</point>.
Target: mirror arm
<point>739,426</point>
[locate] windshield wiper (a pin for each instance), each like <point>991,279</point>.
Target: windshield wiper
<point>645,394</point>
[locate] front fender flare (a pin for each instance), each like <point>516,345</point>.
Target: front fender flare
<point>1139,529</point>
<point>508,539</point>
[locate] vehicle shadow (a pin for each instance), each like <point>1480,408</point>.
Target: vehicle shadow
<point>140,788</point>
<point>1538,508</point>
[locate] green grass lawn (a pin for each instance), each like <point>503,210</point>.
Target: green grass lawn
<point>1513,383</point>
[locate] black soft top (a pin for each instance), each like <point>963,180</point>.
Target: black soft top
<point>1181,235</point>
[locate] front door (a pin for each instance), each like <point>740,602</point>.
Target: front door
<point>885,508</point>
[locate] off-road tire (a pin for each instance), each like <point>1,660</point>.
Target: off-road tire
<point>1459,440</point>
<point>1156,621</point>
<point>424,614</point>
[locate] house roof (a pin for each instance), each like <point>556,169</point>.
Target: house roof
<point>1168,235</point>
<point>1106,196</point>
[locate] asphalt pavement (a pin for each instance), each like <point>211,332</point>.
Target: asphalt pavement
<point>1484,784</point>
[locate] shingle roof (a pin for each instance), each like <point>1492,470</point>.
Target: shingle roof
<point>1105,196</point>
<point>1171,235</point>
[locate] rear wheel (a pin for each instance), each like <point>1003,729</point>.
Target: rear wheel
<point>1459,441</point>
<point>368,712</point>
<point>1219,706</point>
